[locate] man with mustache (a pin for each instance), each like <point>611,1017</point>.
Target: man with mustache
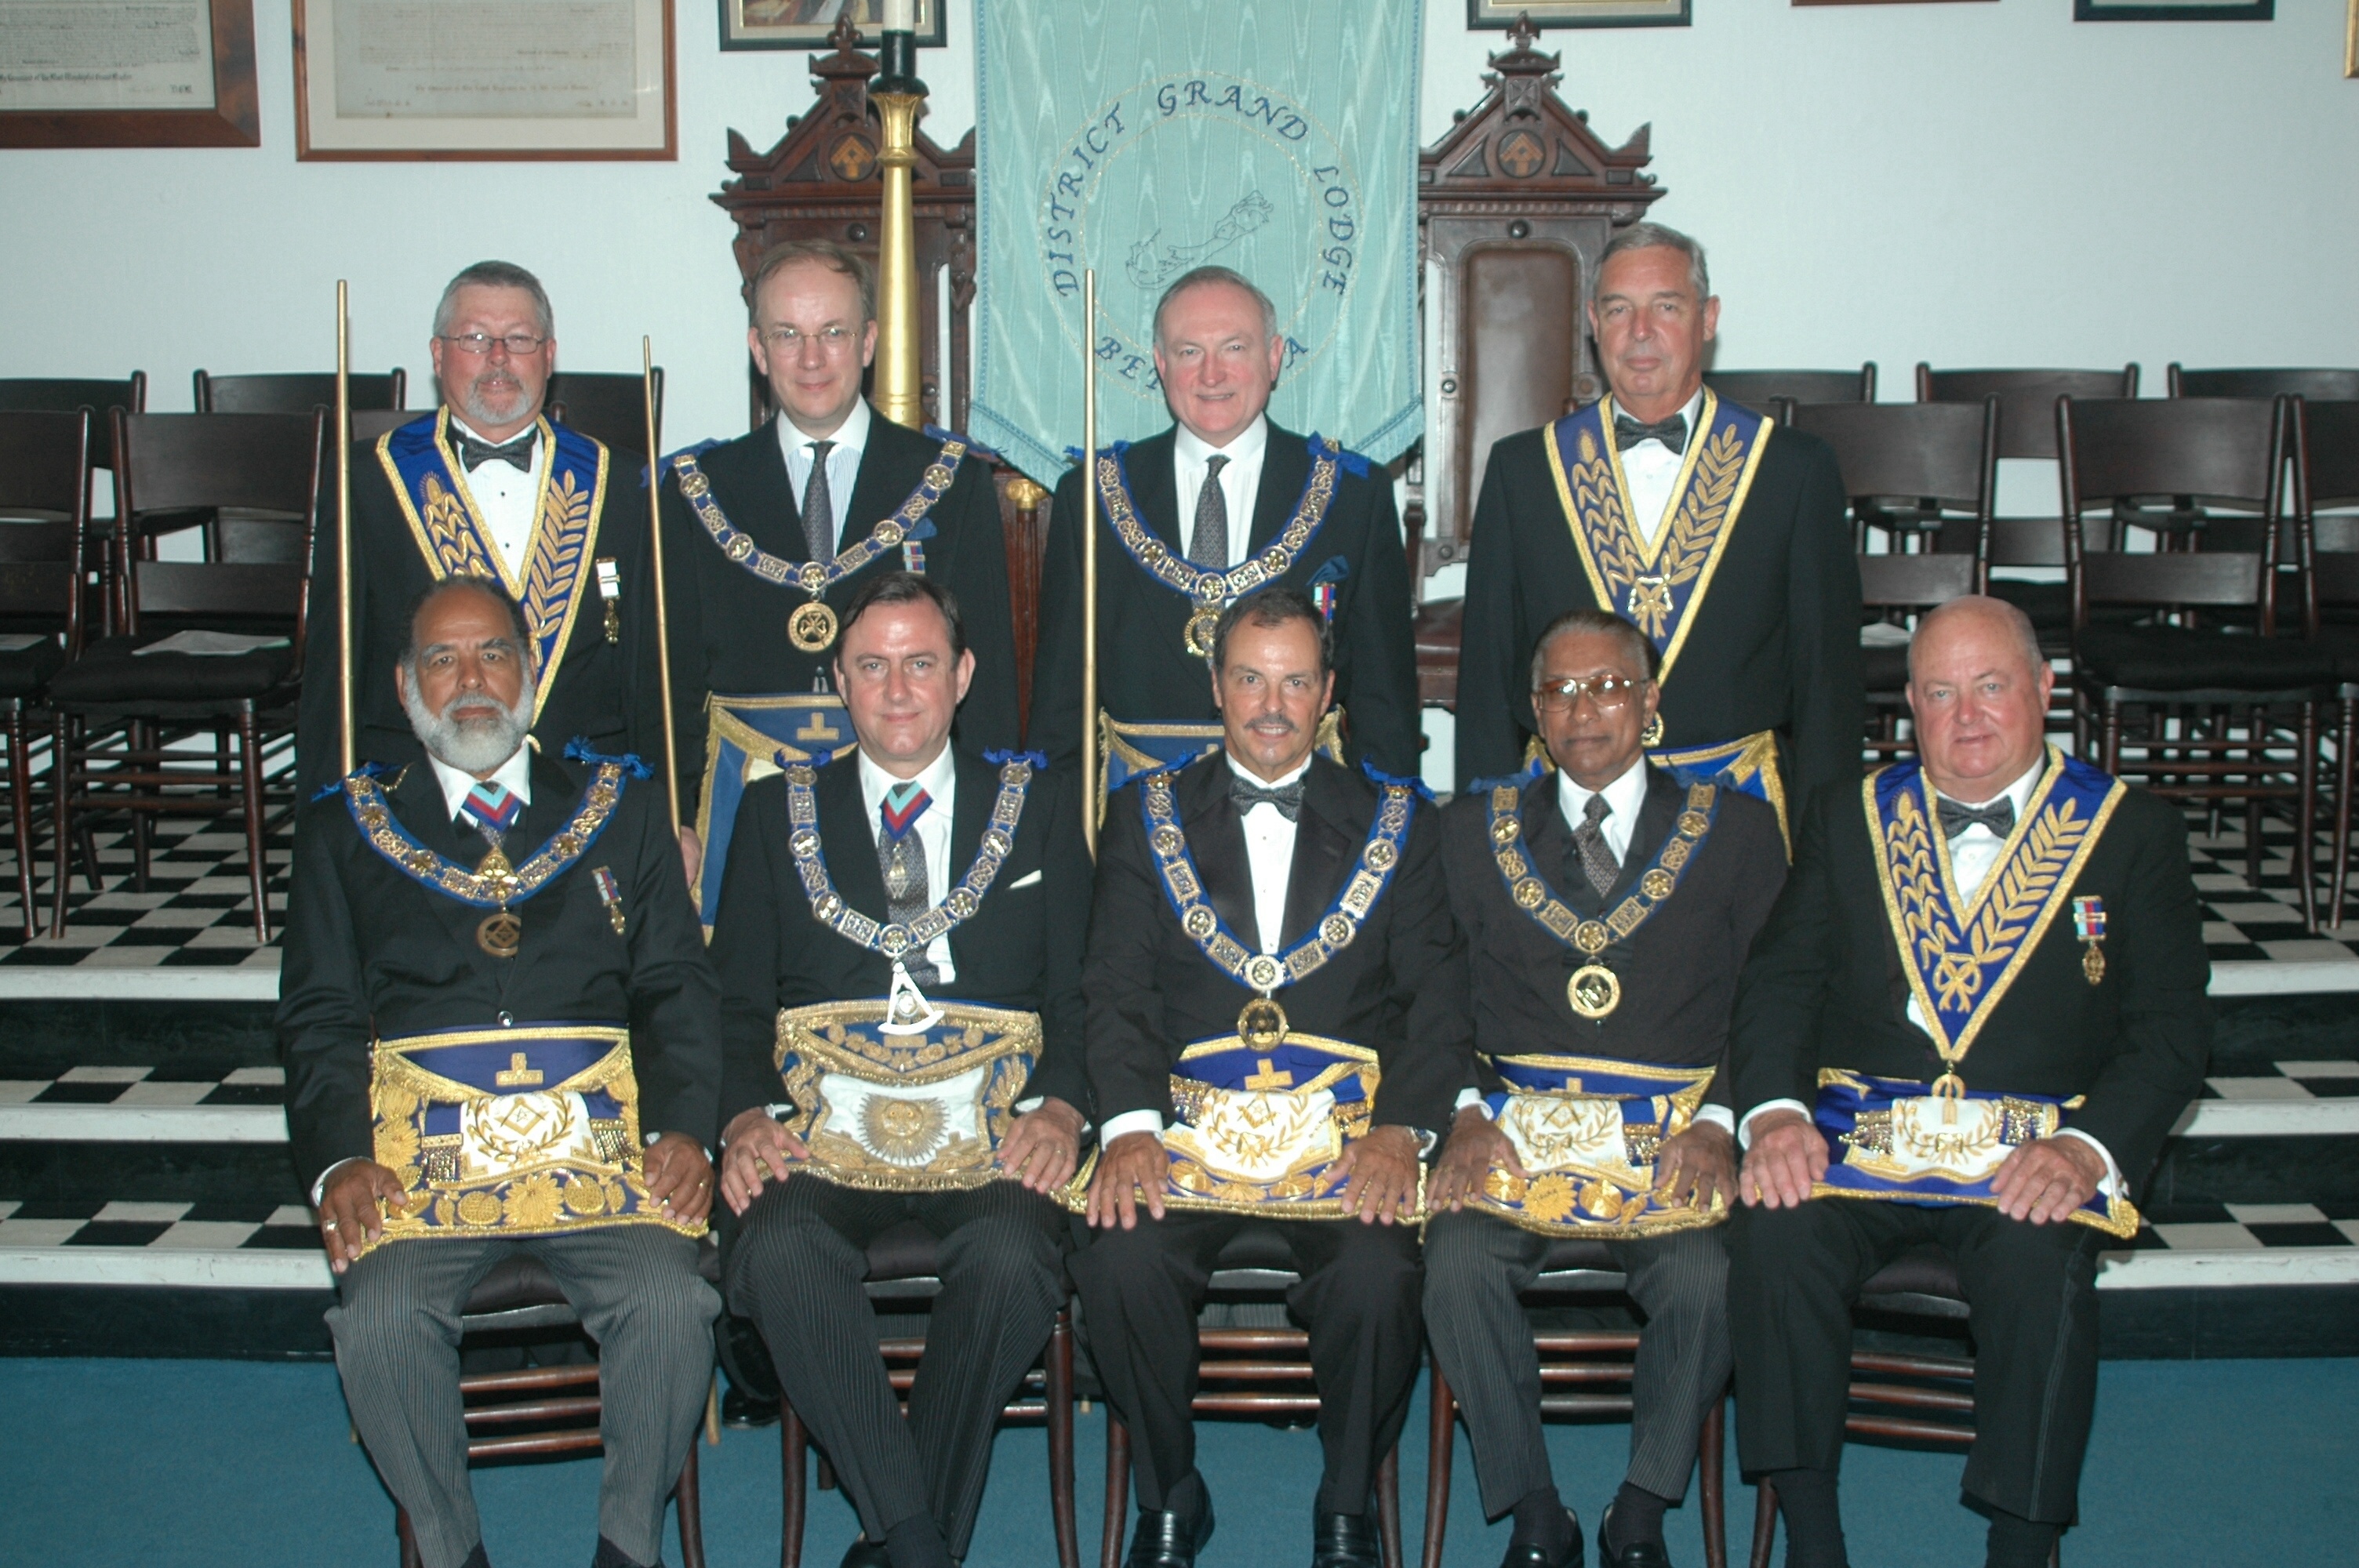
<point>1221,503</point>
<point>1278,1024</point>
<point>502,1036</point>
<point>489,486</point>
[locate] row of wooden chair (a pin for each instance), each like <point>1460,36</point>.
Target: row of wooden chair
<point>1758,389</point>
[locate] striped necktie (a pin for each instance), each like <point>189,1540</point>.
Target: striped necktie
<point>901,860</point>
<point>492,808</point>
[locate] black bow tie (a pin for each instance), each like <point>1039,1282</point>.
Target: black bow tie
<point>473,454</point>
<point>1672,432</point>
<point>1245,795</point>
<point>1998,815</point>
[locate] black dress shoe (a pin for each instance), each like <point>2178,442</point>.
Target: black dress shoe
<point>1162,1539</point>
<point>1526,1554</point>
<point>1637,1555</point>
<point>1345,1541</point>
<point>865,1554</point>
<point>742,1413</point>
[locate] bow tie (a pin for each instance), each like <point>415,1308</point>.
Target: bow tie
<point>475,454</point>
<point>1672,432</point>
<point>1998,815</point>
<point>1245,795</point>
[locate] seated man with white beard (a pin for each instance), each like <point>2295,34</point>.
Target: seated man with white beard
<point>502,1036</point>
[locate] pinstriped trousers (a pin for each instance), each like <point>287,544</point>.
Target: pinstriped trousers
<point>1475,1268</point>
<point>637,1291</point>
<point>795,1268</point>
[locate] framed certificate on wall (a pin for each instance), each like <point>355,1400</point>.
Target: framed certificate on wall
<point>127,73</point>
<point>806,23</point>
<point>423,80</point>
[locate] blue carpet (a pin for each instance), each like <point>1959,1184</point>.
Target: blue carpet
<point>161,1464</point>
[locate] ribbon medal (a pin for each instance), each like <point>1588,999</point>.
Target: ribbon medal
<point>2089,926</point>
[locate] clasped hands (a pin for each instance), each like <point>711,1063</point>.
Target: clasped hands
<point>2042,1182</point>
<point>1377,1174</point>
<point>1697,1167</point>
<point>1042,1151</point>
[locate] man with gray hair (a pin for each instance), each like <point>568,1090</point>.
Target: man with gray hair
<point>1222,503</point>
<point>1720,536</point>
<point>489,486</point>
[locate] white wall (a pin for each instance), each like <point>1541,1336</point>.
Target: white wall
<point>1970,183</point>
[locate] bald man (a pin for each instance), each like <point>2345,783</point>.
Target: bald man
<point>1998,1076</point>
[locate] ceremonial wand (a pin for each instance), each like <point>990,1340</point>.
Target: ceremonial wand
<point>345,526</point>
<point>655,549</point>
<point>1090,561</point>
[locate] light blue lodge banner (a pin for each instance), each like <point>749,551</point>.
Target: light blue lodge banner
<point>1146,137</point>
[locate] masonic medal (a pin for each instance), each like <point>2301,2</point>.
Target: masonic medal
<point>1200,627</point>
<point>1652,735</point>
<point>812,627</point>
<point>2089,926</point>
<point>1262,1024</point>
<point>501,933</point>
<point>1594,991</point>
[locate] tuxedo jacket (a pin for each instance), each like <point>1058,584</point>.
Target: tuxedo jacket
<point>1678,971</point>
<point>609,694</point>
<point>1145,671</point>
<point>729,627</point>
<point>1021,950</point>
<point>370,954</point>
<point>1399,990</point>
<point>1824,986</point>
<point>1774,646</point>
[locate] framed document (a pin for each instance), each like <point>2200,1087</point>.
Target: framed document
<point>2173,11</point>
<point>1502,13</point>
<point>127,73</point>
<point>422,80</point>
<point>805,24</point>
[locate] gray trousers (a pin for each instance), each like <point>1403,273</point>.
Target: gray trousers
<point>1475,1268</point>
<point>637,1291</point>
<point>796,1267</point>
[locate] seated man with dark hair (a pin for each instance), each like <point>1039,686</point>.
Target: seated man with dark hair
<point>501,1036</point>
<point>862,891</point>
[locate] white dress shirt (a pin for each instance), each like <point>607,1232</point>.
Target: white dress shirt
<point>1240,482</point>
<point>507,499</point>
<point>1974,854</point>
<point>851,439</point>
<point>939,780</point>
<point>1652,469</point>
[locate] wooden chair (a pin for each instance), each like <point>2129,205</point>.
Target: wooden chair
<point>1257,1372</point>
<point>559,1404</point>
<point>1929,1401</point>
<point>2319,385</point>
<point>2193,676</point>
<point>63,395</point>
<point>44,520</point>
<point>1909,468</point>
<point>120,713</point>
<point>1576,1366</point>
<point>611,407</point>
<point>2326,473</point>
<point>297,394</point>
<point>1756,389</point>
<point>1893,587</point>
<point>904,1274</point>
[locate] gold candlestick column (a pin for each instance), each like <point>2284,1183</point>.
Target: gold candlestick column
<point>897,368</point>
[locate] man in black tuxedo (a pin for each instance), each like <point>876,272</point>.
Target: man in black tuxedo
<point>1278,835</point>
<point>518,487</point>
<point>1218,488</point>
<point>2105,1021</point>
<point>376,956</point>
<point>812,333</point>
<point>800,1252</point>
<point>1763,635</point>
<point>1592,835</point>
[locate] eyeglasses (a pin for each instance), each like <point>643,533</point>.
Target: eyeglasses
<point>478,344</point>
<point>834,340</point>
<point>1606,691</point>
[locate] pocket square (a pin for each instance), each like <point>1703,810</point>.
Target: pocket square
<point>1024,882</point>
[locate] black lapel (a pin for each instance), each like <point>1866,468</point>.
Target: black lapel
<point>978,787</point>
<point>749,476</point>
<point>1217,841</point>
<point>1148,466</point>
<point>847,840</point>
<point>1285,465</point>
<point>417,801</point>
<point>1327,836</point>
<point>890,465</point>
<point>1547,841</point>
<point>555,797</point>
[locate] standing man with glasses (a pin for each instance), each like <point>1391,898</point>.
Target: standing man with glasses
<point>489,486</point>
<point>767,539</point>
<point>1720,536</point>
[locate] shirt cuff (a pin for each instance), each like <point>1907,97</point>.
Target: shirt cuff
<point>320,1187</point>
<point>1745,1127</point>
<point>1471,1097</point>
<point>1128,1122</point>
<point>2112,1185</point>
<point>1719,1115</point>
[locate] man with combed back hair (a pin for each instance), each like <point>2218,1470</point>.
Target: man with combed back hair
<point>1979,1046</point>
<point>502,1038</point>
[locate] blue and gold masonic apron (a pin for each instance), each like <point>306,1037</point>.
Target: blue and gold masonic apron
<point>1659,585</point>
<point>1260,1117</point>
<point>751,735</point>
<point>449,527</point>
<point>903,1093</point>
<point>1941,1142</point>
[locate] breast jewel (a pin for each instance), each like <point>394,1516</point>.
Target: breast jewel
<point>1212,590</point>
<point>496,884</point>
<point>1263,1022</point>
<point>812,626</point>
<point>1594,990</point>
